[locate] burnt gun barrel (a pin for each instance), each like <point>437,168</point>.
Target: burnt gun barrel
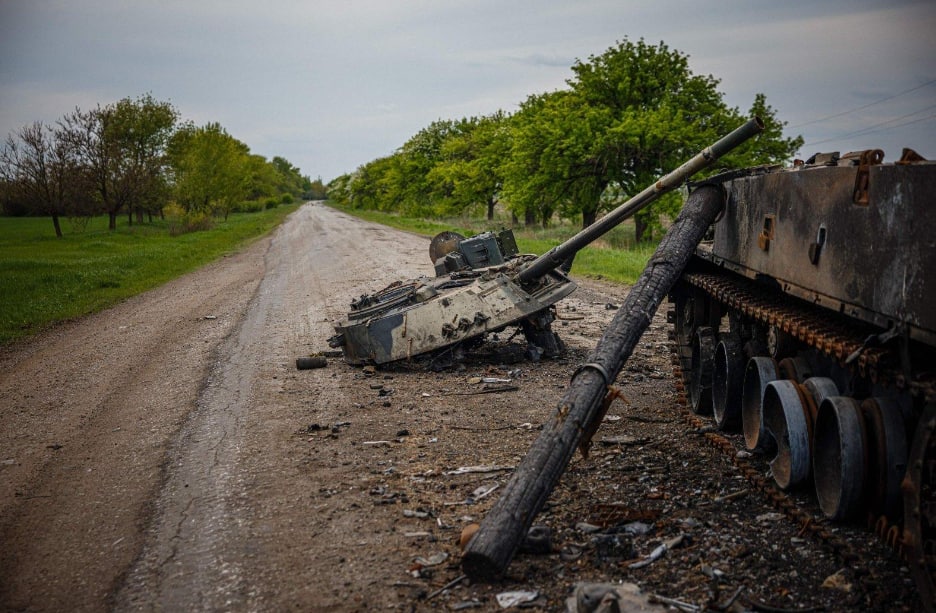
<point>553,258</point>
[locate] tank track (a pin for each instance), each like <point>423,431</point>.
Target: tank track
<point>813,326</point>
<point>850,345</point>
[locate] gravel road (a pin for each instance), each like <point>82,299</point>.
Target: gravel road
<point>167,455</point>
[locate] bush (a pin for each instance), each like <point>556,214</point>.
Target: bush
<point>181,221</point>
<point>248,206</point>
<point>287,199</point>
<point>270,203</point>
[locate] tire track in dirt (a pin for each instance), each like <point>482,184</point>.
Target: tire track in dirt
<point>88,408</point>
<point>197,547</point>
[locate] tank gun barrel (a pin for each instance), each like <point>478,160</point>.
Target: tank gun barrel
<point>553,258</point>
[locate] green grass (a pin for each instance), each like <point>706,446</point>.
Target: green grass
<point>614,257</point>
<point>44,279</point>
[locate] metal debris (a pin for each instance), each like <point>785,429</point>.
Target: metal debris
<point>464,470</point>
<point>657,553</point>
<point>513,599</point>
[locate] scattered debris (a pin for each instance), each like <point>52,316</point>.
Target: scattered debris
<point>487,389</point>
<point>538,541</point>
<point>672,602</point>
<point>433,560</point>
<point>657,553</point>
<point>624,439</point>
<point>731,496</point>
<point>837,581</point>
<point>609,598</point>
<point>513,599</point>
<point>464,470</point>
<point>447,586</point>
<point>612,548</point>
<point>311,361</point>
<point>637,528</point>
<point>479,493</point>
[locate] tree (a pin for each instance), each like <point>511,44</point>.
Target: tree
<point>261,178</point>
<point>290,179</point>
<point>316,190</point>
<point>122,146</point>
<point>534,168</point>
<point>210,168</point>
<point>339,189</point>
<point>41,171</point>
<point>630,114</point>
<point>469,172</point>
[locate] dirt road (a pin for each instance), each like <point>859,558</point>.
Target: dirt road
<point>167,455</point>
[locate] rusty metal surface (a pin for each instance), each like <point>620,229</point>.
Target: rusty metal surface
<point>920,511</point>
<point>443,243</point>
<point>802,228</point>
<point>816,327</point>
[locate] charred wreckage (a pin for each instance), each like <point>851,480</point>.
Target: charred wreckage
<point>804,315</point>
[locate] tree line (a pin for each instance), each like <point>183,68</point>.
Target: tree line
<point>135,157</point>
<point>627,116</point>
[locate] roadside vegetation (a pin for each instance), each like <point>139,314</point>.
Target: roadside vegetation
<point>44,279</point>
<point>137,158</point>
<point>617,256</point>
<point>627,116</point>
<point>111,201</point>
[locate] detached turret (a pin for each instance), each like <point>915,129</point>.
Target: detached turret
<point>484,285</point>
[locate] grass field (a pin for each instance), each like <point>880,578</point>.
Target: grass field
<point>44,279</point>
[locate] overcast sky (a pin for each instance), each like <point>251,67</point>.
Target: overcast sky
<point>333,84</point>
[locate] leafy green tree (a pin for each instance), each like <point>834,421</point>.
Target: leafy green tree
<point>290,179</point>
<point>469,170</point>
<point>262,179</point>
<point>770,147</point>
<point>408,182</point>
<point>315,190</point>
<point>122,146</point>
<point>629,115</point>
<point>537,157</point>
<point>210,169</point>
<point>378,185</point>
<point>339,189</point>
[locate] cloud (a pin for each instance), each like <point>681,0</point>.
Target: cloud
<point>336,83</point>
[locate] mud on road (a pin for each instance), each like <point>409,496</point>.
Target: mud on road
<point>167,455</point>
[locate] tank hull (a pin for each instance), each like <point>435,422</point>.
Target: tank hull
<point>824,276</point>
<point>803,229</point>
<point>447,316</point>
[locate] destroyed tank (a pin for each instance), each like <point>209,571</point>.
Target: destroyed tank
<point>483,285</point>
<point>807,320</point>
